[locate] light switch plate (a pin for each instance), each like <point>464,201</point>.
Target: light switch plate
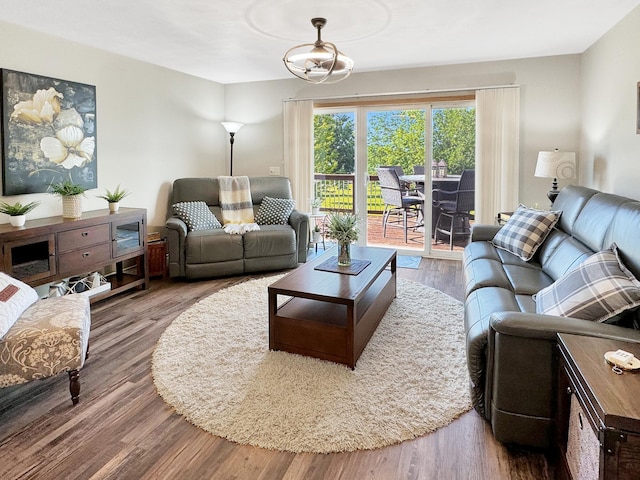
<point>275,171</point>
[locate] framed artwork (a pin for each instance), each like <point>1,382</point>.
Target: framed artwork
<point>638,105</point>
<point>49,133</point>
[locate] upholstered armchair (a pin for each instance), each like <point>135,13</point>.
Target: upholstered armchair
<point>41,338</point>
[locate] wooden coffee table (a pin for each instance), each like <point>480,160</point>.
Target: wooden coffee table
<point>332,315</point>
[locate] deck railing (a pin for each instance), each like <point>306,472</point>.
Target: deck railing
<point>338,195</point>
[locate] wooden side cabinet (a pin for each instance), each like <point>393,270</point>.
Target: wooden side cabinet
<point>50,249</point>
<point>598,411</point>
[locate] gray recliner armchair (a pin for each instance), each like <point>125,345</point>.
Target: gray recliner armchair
<point>213,253</point>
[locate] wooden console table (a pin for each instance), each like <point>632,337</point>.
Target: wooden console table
<point>50,249</point>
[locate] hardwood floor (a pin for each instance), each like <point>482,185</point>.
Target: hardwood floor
<point>121,429</point>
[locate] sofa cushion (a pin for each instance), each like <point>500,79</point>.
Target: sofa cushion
<point>270,241</point>
<point>525,231</point>
<point>598,289</point>
<point>196,215</point>
<point>275,211</point>
<point>210,246</point>
<point>15,298</point>
<point>51,336</point>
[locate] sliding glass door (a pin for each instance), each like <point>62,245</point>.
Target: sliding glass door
<point>427,144</point>
<point>396,139</point>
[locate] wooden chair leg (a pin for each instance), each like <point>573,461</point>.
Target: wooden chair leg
<point>74,385</point>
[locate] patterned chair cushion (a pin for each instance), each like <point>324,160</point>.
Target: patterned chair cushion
<point>51,336</point>
<point>15,298</point>
<point>598,289</point>
<point>525,231</point>
<point>275,211</point>
<point>196,215</point>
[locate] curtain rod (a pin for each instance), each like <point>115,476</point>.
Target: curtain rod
<point>415,92</point>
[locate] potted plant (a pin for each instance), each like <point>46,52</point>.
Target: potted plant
<point>343,228</point>
<point>17,212</point>
<point>316,203</point>
<point>114,198</point>
<point>71,194</point>
<point>316,234</point>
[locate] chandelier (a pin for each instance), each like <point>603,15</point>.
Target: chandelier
<point>323,64</point>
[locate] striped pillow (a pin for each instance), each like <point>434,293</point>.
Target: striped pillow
<point>597,289</point>
<point>525,231</point>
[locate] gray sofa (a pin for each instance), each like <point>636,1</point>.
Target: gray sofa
<point>213,253</point>
<point>511,351</point>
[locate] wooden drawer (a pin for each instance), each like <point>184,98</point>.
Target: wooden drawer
<point>84,260</point>
<point>83,237</point>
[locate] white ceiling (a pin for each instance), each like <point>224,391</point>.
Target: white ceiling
<point>235,41</point>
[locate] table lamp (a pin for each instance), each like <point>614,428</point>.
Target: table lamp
<point>556,165</point>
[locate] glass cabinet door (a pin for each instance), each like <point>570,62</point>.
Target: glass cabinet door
<point>127,237</point>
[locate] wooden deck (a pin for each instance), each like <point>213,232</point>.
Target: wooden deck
<point>395,237</point>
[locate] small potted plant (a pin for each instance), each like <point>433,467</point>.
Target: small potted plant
<point>71,194</point>
<point>316,203</point>
<point>17,212</point>
<point>316,234</point>
<point>114,198</point>
<point>343,228</point>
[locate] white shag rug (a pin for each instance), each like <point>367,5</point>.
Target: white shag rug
<point>213,366</point>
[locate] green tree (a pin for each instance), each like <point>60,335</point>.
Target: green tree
<point>395,137</point>
<point>454,138</point>
<point>334,143</point>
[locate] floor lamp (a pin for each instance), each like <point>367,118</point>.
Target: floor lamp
<point>232,128</point>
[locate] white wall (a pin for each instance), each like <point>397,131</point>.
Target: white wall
<point>610,146</point>
<point>154,124</point>
<point>550,106</point>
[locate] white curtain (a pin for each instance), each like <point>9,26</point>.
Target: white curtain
<point>298,150</point>
<point>497,152</point>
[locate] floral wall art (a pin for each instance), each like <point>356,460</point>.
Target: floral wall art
<point>48,133</point>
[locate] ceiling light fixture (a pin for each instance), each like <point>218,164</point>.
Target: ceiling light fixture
<point>323,64</point>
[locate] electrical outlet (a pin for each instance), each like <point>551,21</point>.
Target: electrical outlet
<point>274,171</point>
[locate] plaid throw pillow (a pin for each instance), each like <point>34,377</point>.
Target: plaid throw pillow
<point>274,211</point>
<point>597,289</point>
<point>196,215</point>
<point>525,231</point>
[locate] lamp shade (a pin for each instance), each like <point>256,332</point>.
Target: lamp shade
<point>232,127</point>
<point>556,164</point>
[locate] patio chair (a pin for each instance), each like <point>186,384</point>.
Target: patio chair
<point>456,208</point>
<point>398,204</point>
<point>400,172</point>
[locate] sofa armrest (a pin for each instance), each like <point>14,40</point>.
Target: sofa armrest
<point>480,232</point>
<point>176,239</point>
<point>522,372</point>
<point>532,325</point>
<point>300,224</point>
